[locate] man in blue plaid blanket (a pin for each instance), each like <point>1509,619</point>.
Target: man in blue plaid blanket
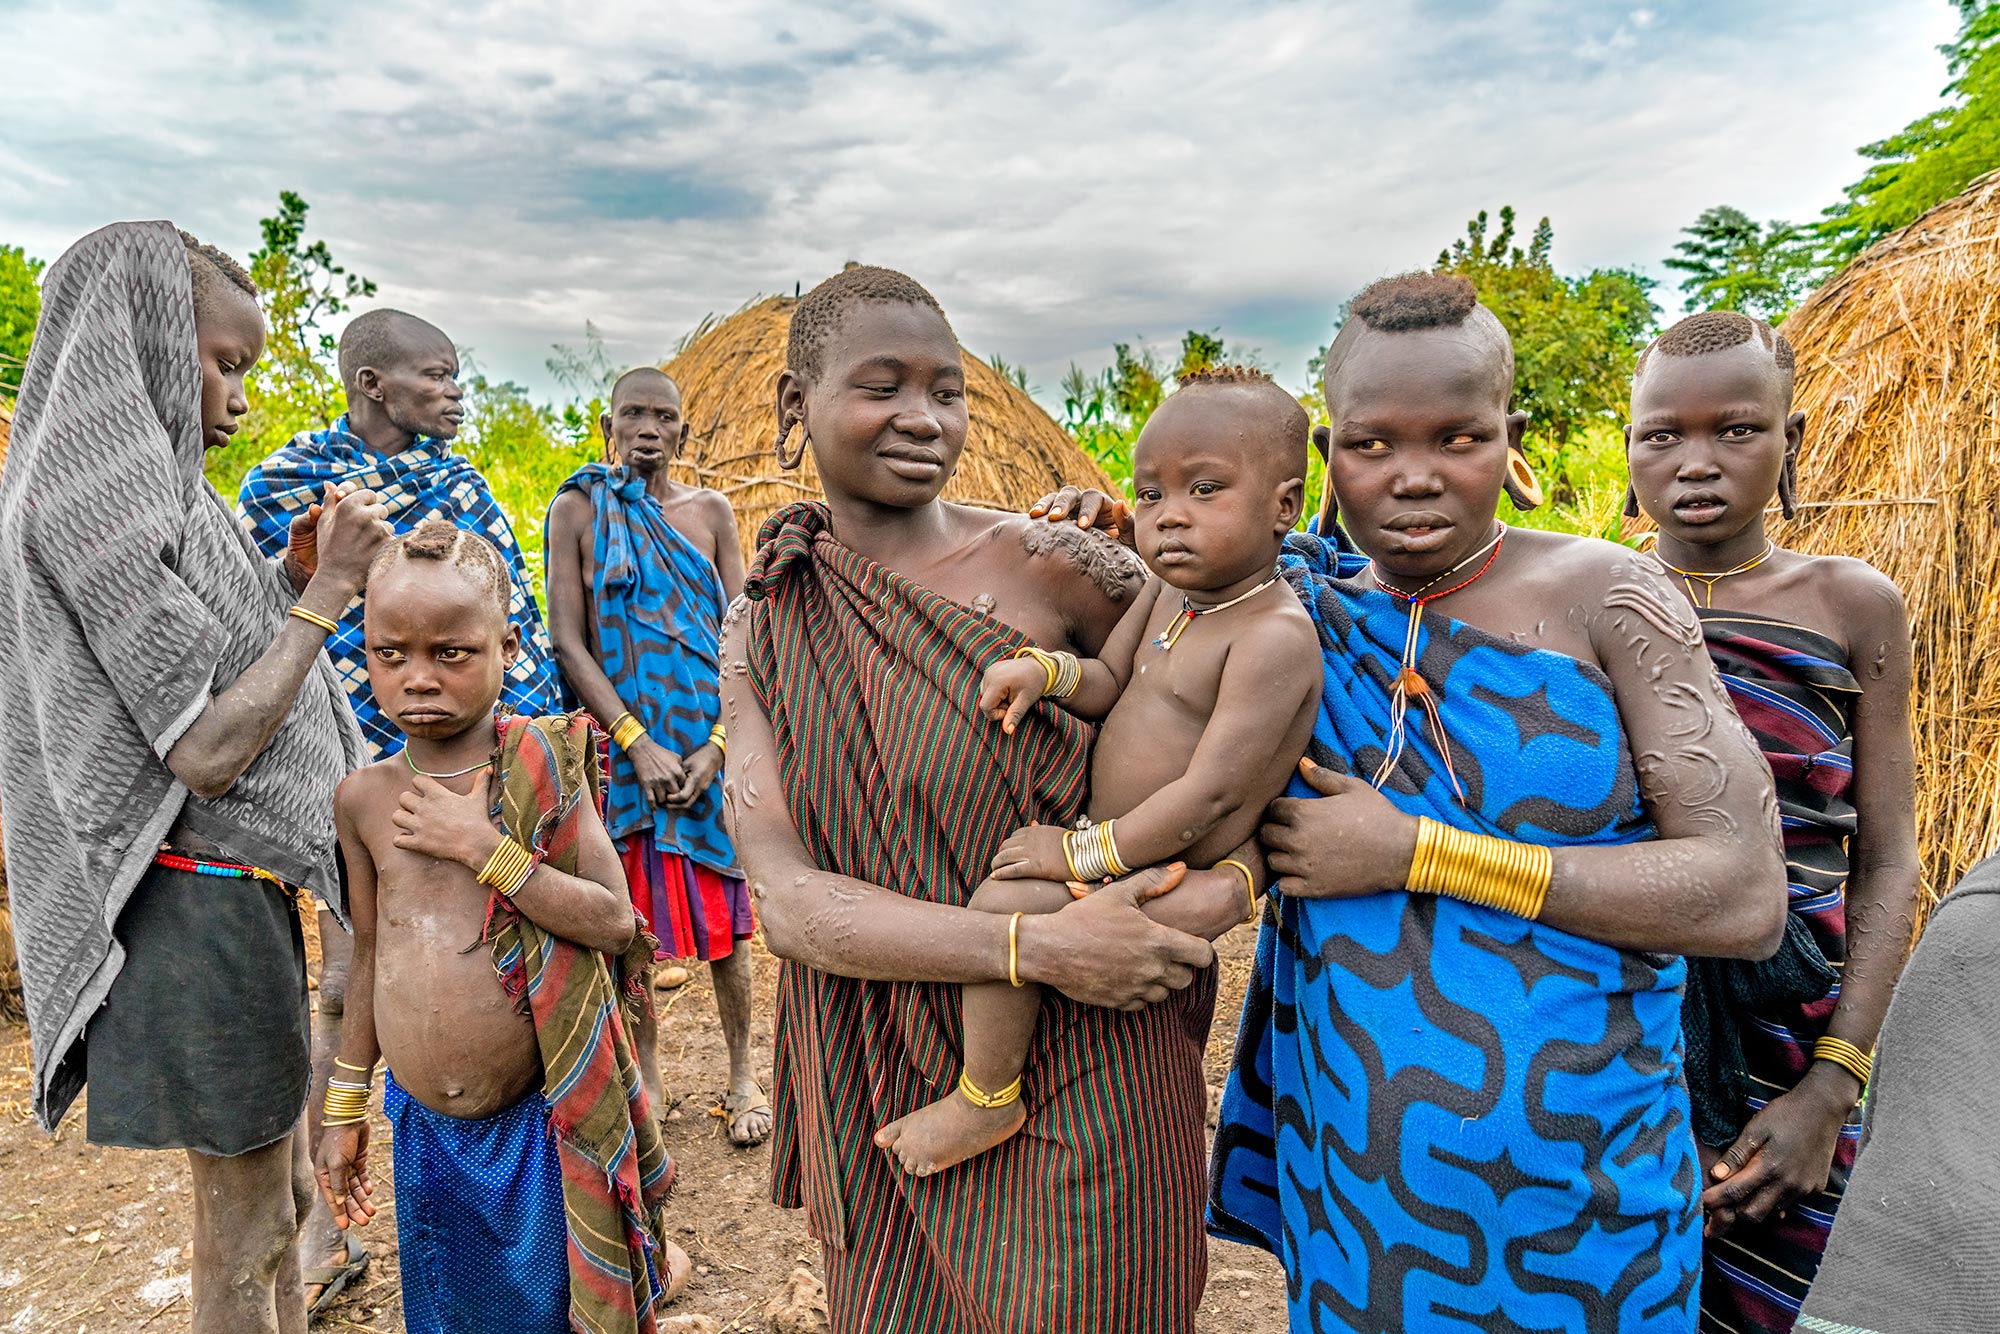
<point>403,408</point>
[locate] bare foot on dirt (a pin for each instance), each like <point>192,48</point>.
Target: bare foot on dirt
<point>948,1132</point>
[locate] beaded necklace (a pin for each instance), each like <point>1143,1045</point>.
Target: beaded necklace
<point>1171,636</point>
<point>1410,683</point>
<point>1709,581</point>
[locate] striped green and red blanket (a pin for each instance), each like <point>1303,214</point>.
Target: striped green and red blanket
<point>615,1169</point>
<point>1089,1219</point>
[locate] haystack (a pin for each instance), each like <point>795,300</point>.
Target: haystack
<point>1899,375</point>
<point>728,374</point>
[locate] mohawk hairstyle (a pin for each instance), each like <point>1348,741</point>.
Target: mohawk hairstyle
<point>1249,375</point>
<point>1412,301</point>
<point>379,338</point>
<point>214,271</point>
<point>819,311</point>
<point>1718,331</point>
<point>438,540</point>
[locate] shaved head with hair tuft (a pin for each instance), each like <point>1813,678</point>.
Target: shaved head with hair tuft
<point>441,542</point>
<point>1718,331</point>
<point>1283,427</point>
<point>1424,302</point>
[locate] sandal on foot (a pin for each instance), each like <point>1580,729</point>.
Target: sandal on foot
<point>737,1106</point>
<point>332,1280</point>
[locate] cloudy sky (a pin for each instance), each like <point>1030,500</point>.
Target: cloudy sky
<point>1061,175</point>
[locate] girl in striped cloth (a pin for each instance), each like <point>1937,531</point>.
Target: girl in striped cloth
<point>1815,654</point>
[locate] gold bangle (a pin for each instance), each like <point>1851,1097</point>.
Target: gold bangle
<point>314,618</point>
<point>1112,862</point>
<point>366,1071</point>
<point>1014,950</point>
<point>718,736</point>
<point>1500,873</point>
<point>1062,672</point>
<point>508,868</point>
<point>1845,1055</point>
<point>625,729</point>
<point>1249,886</point>
<point>979,1097</point>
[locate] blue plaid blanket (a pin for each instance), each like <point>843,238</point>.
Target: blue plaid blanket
<point>425,481</point>
<point>657,609</point>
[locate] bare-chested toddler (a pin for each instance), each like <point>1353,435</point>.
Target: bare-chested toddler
<point>1207,691</point>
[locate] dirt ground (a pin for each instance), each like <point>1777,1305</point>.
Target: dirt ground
<point>94,1241</point>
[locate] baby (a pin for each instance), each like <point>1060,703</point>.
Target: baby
<point>1207,691</point>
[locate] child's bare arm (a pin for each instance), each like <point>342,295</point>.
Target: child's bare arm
<point>1269,674</point>
<point>340,1158</point>
<point>1010,688</point>
<point>592,907</point>
<point>1882,889</point>
<point>1211,903</point>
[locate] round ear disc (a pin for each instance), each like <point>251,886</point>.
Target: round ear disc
<point>1521,485</point>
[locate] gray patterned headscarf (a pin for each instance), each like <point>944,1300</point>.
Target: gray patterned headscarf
<point>130,595</point>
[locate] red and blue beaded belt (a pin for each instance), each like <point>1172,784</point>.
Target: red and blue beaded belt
<point>180,861</point>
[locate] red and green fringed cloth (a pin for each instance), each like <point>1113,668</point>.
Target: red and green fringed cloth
<point>1090,1218</point>
<point>615,1169</point>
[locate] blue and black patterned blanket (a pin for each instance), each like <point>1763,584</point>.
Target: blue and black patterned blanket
<point>656,607</point>
<point>1444,1117</point>
<point>425,481</point>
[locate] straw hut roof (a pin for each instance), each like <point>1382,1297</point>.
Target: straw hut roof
<point>1899,377</point>
<point>728,373</point>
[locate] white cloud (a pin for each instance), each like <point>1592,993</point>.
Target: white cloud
<point>1061,174</point>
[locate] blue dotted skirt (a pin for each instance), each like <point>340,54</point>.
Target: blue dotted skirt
<point>479,1219</point>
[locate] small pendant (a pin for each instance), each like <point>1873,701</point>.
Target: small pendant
<point>1412,685</point>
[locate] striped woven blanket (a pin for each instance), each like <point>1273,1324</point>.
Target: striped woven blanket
<point>615,1168</point>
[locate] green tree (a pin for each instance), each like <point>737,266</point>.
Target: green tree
<point>1934,157</point>
<point>1104,413</point>
<point>296,387</point>
<point>1576,340</point>
<point>525,449</point>
<point>1732,263</point>
<point>20,307</point>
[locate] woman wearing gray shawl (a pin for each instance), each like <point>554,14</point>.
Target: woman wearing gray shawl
<point>172,737</point>
<point>1916,1247</point>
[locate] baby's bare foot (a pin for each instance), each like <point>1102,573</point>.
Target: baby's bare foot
<point>948,1132</point>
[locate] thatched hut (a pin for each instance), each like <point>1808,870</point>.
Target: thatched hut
<point>1899,375</point>
<point>728,374</point>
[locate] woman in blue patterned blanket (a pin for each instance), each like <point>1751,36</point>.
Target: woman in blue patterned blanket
<point>1457,1103</point>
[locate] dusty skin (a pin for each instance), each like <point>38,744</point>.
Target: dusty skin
<point>95,1237</point>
